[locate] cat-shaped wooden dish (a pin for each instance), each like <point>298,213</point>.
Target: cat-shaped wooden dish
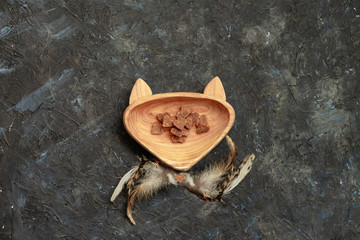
<point>143,108</point>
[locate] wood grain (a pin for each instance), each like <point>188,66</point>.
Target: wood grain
<point>215,88</point>
<point>139,90</point>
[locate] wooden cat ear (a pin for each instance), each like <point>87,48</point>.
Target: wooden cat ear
<point>139,90</point>
<point>215,89</point>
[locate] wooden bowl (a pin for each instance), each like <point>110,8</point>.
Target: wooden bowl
<point>143,108</point>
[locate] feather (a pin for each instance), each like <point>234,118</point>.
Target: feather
<point>211,184</point>
<point>122,182</point>
<point>243,170</point>
<point>130,203</point>
<point>231,159</point>
<point>150,178</point>
<point>153,178</point>
<point>219,178</point>
<point>216,173</point>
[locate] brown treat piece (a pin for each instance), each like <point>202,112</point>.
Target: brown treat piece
<point>202,120</point>
<point>160,117</point>
<point>167,121</point>
<point>184,112</point>
<point>179,133</point>
<point>179,115</point>
<point>202,128</point>
<point>185,132</point>
<point>177,139</point>
<point>180,123</point>
<point>176,132</point>
<point>167,114</point>
<point>194,116</point>
<point>189,122</point>
<point>157,129</point>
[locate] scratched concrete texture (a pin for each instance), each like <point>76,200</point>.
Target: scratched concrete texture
<point>289,68</point>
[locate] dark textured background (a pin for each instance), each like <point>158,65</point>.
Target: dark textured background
<point>289,68</point>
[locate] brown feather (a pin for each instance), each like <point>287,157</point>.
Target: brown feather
<point>219,178</point>
<point>131,183</point>
<point>240,173</point>
<point>149,178</point>
<point>130,203</point>
<point>231,159</point>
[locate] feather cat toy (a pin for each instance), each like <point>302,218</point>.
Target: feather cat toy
<point>174,159</point>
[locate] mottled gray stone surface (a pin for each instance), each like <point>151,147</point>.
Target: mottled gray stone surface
<point>290,69</point>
